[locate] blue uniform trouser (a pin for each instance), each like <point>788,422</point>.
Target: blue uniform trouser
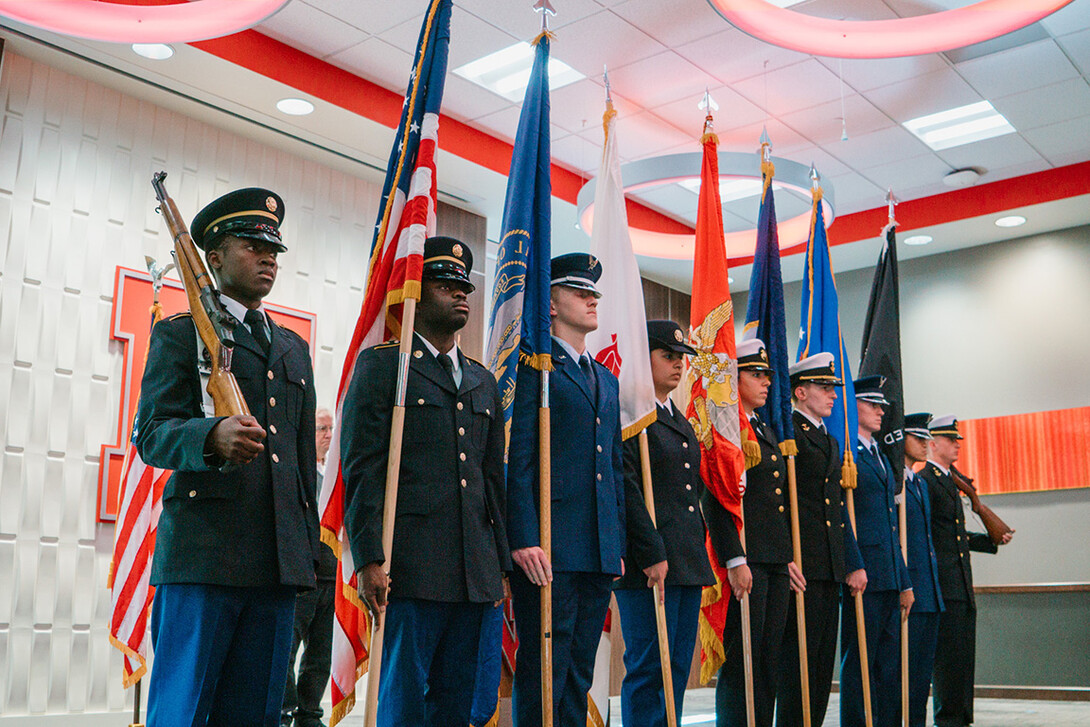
<point>580,602</point>
<point>429,657</point>
<point>221,655</point>
<point>642,697</point>
<point>882,620</point>
<point>923,636</point>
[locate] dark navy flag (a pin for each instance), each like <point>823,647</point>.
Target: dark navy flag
<point>882,348</point>
<point>519,322</point>
<point>820,329</point>
<point>765,314</point>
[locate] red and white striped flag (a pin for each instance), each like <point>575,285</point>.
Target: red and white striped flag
<point>131,593</point>
<point>406,218</point>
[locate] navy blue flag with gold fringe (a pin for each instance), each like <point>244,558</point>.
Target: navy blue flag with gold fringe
<point>765,313</point>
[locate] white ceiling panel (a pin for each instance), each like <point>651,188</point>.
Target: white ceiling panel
<point>734,111</point>
<point>995,153</point>
<point>671,199</point>
<point>1074,17</point>
<point>311,30</point>
<point>927,94</point>
<point>503,123</point>
<point>672,28</point>
<point>519,18</point>
<point>1018,69</point>
<point>748,138</point>
<point>920,171</point>
<point>641,135</point>
<point>470,37</point>
<point>1046,105</point>
<point>731,55</point>
<point>822,123</point>
<point>1063,143</point>
<point>855,193</point>
<point>660,79</point>
<point>800,86</point>
<point>374,16</point>
<point>601,40</point>
<point>826,164</point>
<point>579,106</point>
<point>864,75</point>
<point>465,100</point>
<point>1077,47</point>
<point>378,61</point>
<point>577,152</point>
<point>878,147</point>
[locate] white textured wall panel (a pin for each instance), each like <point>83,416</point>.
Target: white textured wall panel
<point>76,161</point>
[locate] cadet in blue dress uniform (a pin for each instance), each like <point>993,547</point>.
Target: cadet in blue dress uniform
<point>923,569</point>
<point>677,542</point>
<point>588,503</point>
<point>450,545</point>
<point>763,569</point>
<point>830,556</point>
<point>238,535</point>
<point>889,590</point>
<point>955,662</point>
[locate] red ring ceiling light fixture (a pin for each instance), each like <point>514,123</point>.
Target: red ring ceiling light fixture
<point>121,23</point>
<point>914,36</point>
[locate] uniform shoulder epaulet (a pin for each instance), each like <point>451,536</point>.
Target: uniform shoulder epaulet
<point>183,314</point>
<point>473,360</point>
<point>936,471</point>
<point>387,344</point>
<point>805,427</point>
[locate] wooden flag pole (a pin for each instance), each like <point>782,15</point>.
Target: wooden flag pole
<point>660,607</point>
<point>861,629</point>
<point>800,599</point>
<point>747,646</point>
<point>902,513</point>
<point>389,507</point>
<point>545,510</point>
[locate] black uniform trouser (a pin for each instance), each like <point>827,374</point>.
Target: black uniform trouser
<point>822,610</point>
<point>767,611</point>
<point>923,632</point>
<point>314,630</point>
<point>955,665</point>
<point>882,621</point>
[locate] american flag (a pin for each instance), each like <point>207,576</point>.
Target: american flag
<point>406,218</point>
<point>130,568</point>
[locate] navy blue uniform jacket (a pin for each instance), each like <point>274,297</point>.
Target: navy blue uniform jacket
<point>877,524</point>
<point>449,539</point>
<point>923,568</point>
<point>588,503</point>
<point>254,525</point>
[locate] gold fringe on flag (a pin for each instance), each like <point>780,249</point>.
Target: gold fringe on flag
<point>710,644</point>
<point>638,426</point>
<point>539,361</point>
<point>606,118</point>
<point>788,448</point>
<point>752,451</point>
<point>849,472</point>
<point>543,34</point>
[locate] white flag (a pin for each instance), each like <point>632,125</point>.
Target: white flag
<point>620,343</point>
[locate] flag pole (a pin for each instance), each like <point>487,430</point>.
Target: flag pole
<point>902,516</point>
<point>747,646</point>
<point>660,607</point>
<point>389,507</point>
<point>800,599</point>
<point>545,508</point>
<point>860,624</point>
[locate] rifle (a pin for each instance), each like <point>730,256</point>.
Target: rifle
<point>215,326</point>
<point>992,523</point>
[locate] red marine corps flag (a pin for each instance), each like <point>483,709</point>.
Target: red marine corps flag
<point>721,426</point>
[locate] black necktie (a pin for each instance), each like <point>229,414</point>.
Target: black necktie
<point>448,365</point>
<point>877,455</point>
<point>588,372</point>
<point>255,319</point>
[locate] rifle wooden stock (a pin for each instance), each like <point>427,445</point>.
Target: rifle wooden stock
<point>992,523</point>
<point>213,323</point>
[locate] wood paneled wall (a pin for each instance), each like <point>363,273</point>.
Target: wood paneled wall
<point>470,229</point>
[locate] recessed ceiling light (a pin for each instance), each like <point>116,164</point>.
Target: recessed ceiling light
<point>507,71</point>
<point>154,51</point>
<point>1010,221</point>
<point>917,240</point>
<point>962,125</point>
<point>730,190</point>
<point>295,106</point>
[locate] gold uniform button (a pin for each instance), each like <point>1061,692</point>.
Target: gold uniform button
<point>688,466</point>
<point>272,401</point>
<point>841,524</point>
<point>270,375</point>
<point>272,428</point>
<point>461,406</point>
<point>461,431</point>
<point>773,458</point>
<point>828,524</point>
<point>775,474</point>
<point>463,483</point>
<point>688,487</point>
<point>192,493</point>
<point>826,500</point>
<point>684,445</point>
<point>781,508</point>
<point>959,537</point>
<point>599,477</point>
<point>276,458</point>
<point>488,412</point>
<point>692,509</point>
<point>779,491</point>
<point>420,401</point>
<point>462,456</point>
<point>599,448</point>
<point>597,420</point>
